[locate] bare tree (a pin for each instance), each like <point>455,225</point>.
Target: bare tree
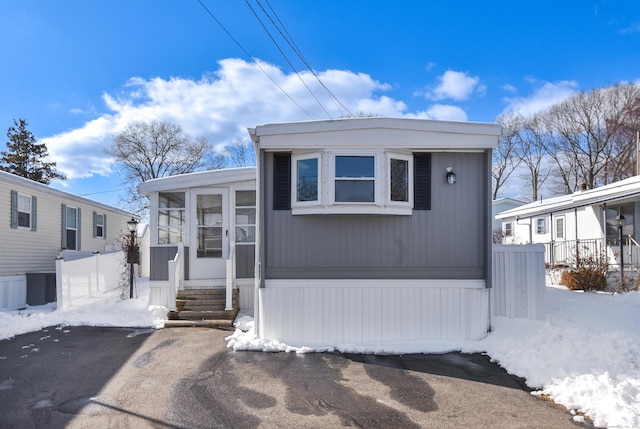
<point>240,153</point>
<point>532,139</point>
<point>149,150</point>
<point>587,132</point>
<point>505,157</point>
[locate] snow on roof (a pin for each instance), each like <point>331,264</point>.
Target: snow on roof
<point>612,192</point>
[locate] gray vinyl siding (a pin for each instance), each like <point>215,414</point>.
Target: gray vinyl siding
<point>245,261</point>
<point>160,256</point>
<point>446,242</point>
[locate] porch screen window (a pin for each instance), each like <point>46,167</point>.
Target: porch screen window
<point>355,179</point>
<point>24,211</point>
<point>209,218</point>
<point>612,213</point>
<point>171,210</point>
<point>306,179</point>
<point>246,216</point>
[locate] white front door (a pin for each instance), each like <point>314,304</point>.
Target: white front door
<point>209,245</point>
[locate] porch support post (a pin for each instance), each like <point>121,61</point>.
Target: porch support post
<point>230,276</point>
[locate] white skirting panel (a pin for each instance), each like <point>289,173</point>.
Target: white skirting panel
<point>13,292</point>
<point>159,294</point>
<point>335,312</point>
<point>246,290</point>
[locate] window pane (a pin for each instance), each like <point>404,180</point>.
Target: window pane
<point>246,234</point>
<point>399,180</point>
<point>71,217</point>
<point>24,219</point>
<point>24,203</point>
<point>245,198</point>
<point>71,239</point>
<point>210,242</point>
<point>209,210</point>
<point>171,218</point>
<point>354,191</point>
<point>307,186</point>
<point>246,216</point>
<point>99,219</point>
<point>355,166</point>
<point>171,200</point>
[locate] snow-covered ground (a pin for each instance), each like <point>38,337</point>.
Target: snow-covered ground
<point>586,355</point>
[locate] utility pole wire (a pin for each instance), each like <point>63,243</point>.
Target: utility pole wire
<point>251,57</point>
<point>295,48</point>
<point>286,58</point>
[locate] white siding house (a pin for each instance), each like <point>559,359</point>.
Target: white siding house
<point>38,222</point>
<point>585,221</point>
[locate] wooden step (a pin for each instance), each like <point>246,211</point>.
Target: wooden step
<point>204,304</point>
<point>201,314</point>
<point>203,307</point>
<point>224,323</point>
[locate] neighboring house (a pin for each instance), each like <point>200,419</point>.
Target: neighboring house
<point>210,217</point>
<point>38,222</point>
<point>587,221</point>
<point>500,205</point>
<point>373,230</point>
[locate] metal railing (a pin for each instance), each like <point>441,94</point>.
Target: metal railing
<point>566,253</point>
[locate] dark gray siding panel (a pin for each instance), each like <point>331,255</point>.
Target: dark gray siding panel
<point>158,259</point>
<point>159,256</point>
<point>448,241</point>
<point>245,261</point>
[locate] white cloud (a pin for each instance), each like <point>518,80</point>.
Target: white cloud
<point>220,106</point>
<point>455,85</point>
<point>542,98</point>
<point>445,112</point>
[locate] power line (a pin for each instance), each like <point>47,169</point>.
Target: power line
<point>295,48</point>
<point>285,55</point>
<point>251,57</point>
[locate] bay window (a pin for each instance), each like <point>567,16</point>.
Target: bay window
<point>350,181</point>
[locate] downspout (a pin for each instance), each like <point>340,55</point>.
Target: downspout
<point>489,235</point>
<point>551,247</point>
<point>575,222</point>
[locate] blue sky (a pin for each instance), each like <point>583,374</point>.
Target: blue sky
<point>79,71</point>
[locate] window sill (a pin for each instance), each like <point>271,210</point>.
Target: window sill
<point>352,209</point>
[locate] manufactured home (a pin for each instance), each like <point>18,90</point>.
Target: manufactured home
<point>39,223</point>
<point>604,219</point>
<point>373,230</point>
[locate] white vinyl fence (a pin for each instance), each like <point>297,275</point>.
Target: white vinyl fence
<point>91,277</point>
<point>13,292</point>
<point>519,281</point>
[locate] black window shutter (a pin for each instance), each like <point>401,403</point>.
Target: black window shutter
<point>422,181</point>
<point>282,181</point>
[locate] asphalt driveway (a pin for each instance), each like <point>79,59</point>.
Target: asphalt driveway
<point>186,378</point>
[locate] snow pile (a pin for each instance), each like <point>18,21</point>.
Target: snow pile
<point>107,310</point>
<point>585,356</point>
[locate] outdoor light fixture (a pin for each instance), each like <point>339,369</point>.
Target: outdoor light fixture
<point>132,252</point>
<point>451,176</point>
<point>132,224</point>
